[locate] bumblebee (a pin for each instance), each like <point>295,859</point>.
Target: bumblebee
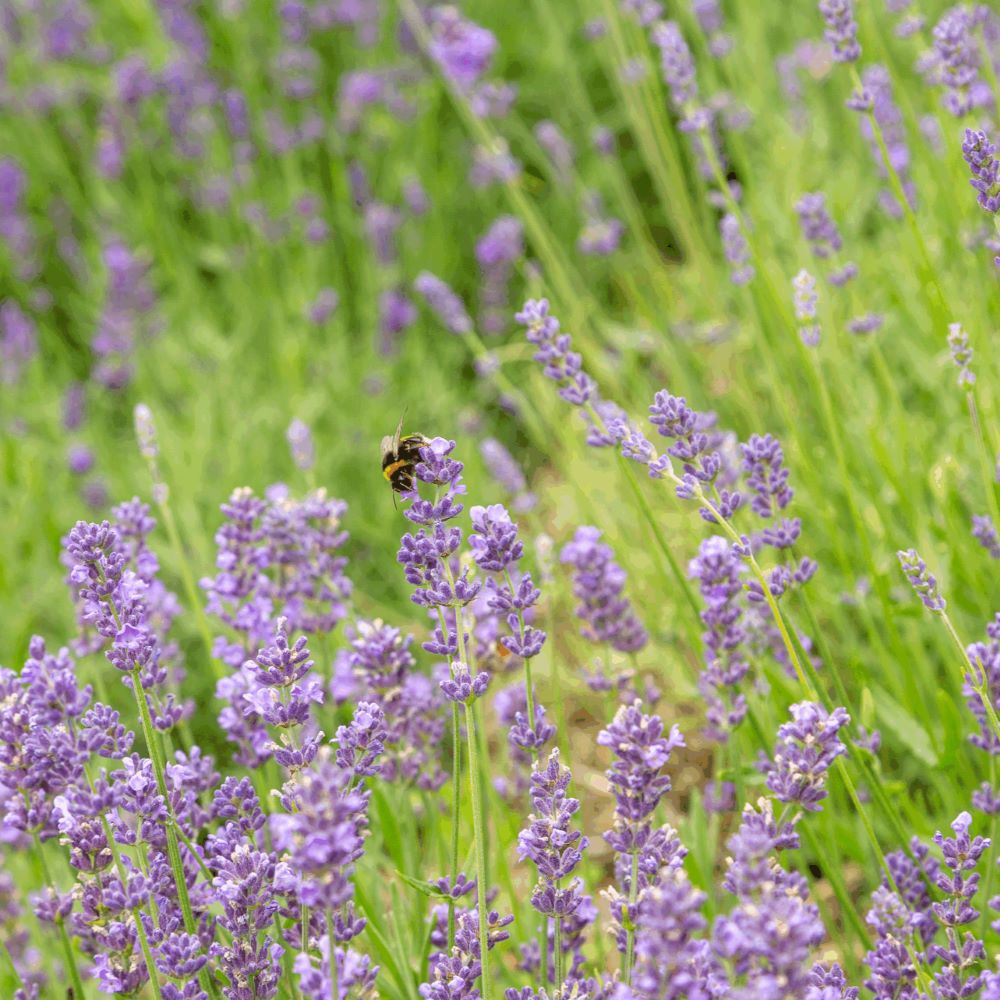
<point>400,455</point>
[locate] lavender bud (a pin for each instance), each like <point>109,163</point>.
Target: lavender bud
<point>300,441</point>
<point>841,29</point>
<point>921,579</point>
<point>145,432</point>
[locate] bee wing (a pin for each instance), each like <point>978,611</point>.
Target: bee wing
<point>399,431</point>
<point>386,447</point>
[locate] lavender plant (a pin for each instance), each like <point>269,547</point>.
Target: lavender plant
<point>646,715</point>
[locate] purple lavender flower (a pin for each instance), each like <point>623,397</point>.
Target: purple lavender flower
<point>807,747</point>
<point>770,934</point>
<point>767,477</point>
<point>324,835</point>
<point>599,584</point>
<point>985,168</point>
<point>462,49</point>
<point>323,306</point>
<point>443,302</point>
<point>698,446</point>
<point>985,532</point>
<point>877,87</point>
<point>79,459</point>
<point>493,164</point>
<point>984,659</point>
<point>128,313</point>
<point>956,59</point>
<point>829,983</point>
<point>841,29</point>
<point>818,227</point>
<point>300,441</point>
<point>381,670</point>
<point>601,234</point>
<point>921,579</point>
<point>677,67</point>
<point>709,15</point>
<point>496,252</point>
<point>244,884</point>
<point>671,960</point>
<point>959,957</point>
<point>525,741</point>
<point>396,313</point>
<point>120,604</point>
<point>505,470</point>
<point>18,341</point>
<point>361,743</point>
<point>559,149</point>
<point>718,570</point>
<point>353,973</point>
<point>277,557</point>
<point>454,974</point>
<point>961,354</point>
<point>866,324</point>
<point>281,693</point>
<point>804,285</point>
<point>549,842</point>
<point>737,252</point>
<point>562,365</point>
<point>641,751</point>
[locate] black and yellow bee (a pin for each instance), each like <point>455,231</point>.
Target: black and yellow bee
<point>400,455</point>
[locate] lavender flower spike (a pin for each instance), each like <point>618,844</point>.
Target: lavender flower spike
<point>807,748</point>
<point>443,302</point>
<point>300,441</point>
<point>921,579</point>
<point>961,354</point>
<point>985,168</point>
<point>562,365</point>
<point>841,29</point>
<point>549,842</point>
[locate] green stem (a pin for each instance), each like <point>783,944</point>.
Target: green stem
<point>557,948</point>
<point>480,837</point>
<point>528,686</point>
<point>456,773</point>
<point>173,852</point>
<point>633,893</point>
<point>991,859</point>
<point>331,945</point>
<point>647,512</point>
<point>545,951</point>
<point>978,674</point>
<point>937,302</point>
<point>67,946</point>
<point>187,579</point>
<point>985,462</point>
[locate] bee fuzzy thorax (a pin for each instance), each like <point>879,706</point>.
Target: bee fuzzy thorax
<point>400,454</point>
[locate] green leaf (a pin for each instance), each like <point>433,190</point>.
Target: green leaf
<point>867,709</point>
<point>904,727</point>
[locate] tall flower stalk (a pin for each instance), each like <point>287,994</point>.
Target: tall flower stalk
<point>426,557</point>
<point>113,598</point>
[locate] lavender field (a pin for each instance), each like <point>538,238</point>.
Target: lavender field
<point>499,501</point>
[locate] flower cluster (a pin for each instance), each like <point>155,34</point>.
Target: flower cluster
<point>551,844</point>
<point>643,854</point>
<point>841,29</point>
<point>378,666</point>
<point>562,365</point>
<point>807,748</point>
<point>921,579</point>
<point>599,585</point>
<point>278,556</point>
